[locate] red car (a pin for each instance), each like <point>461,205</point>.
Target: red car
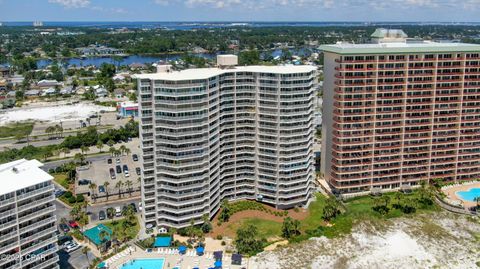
<point>73,224</point>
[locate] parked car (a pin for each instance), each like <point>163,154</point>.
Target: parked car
<point>117,160</point>
<point>138,171</point>
<point>73,224</point>
<point>125,170</point>
<point>112,173</point>
<point>72,247</point>
<point>63,239</point>
<point>118,211</point>
<point>84,182</point>
<point>140,206</point>
<point>109,161</point>
<point>119,169</point>
<point>64,227</point>
<point>59,192</point>
<point>101,215</point>
<point>135,157</point>
<point>101,189</point>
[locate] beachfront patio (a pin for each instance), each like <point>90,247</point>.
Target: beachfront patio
<point>173,259</point>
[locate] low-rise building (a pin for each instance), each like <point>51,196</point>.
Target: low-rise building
<point>27,232</point>
<point>127,109</point>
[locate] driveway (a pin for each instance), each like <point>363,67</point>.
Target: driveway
<point>75,259</point>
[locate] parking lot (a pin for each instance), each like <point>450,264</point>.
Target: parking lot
<point>100,171</point>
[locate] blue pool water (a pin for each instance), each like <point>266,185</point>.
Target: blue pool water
<point>144,264</point>
<point>470,194</point>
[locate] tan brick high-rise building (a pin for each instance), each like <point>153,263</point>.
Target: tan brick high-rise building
<point>400,111</point>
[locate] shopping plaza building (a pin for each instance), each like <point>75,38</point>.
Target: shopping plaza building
<point>28,236</point>
<point>220,133</point>
<point>400,111</point>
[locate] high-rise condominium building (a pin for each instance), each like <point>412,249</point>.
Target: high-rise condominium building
<point>225,133</point>
<point>27,222</point>
<point>400,111</point>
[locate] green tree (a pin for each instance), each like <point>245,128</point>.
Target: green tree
<point>250,57</point>
<point>207,225</point>
<point>290,227</point>
<point>225,212</point>
<point>100,145</point>
<point>85,251</point>
<point>93,188</point>
<point>247,241</point>
<point>331,209</point>
<point>105,185</point>
<point>119,186</point>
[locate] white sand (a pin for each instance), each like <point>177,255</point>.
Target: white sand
<point>441,240</point>
<point>52,113</point>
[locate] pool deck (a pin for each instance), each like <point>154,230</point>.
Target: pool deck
<point>177,260</point>
<point>451,192</point>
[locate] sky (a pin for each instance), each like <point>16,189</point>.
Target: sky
<point>241,10</point>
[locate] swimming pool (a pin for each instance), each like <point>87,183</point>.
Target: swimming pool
<point>470,194</point>
<point>144,264</point>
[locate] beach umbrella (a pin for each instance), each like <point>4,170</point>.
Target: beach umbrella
<point>218,264</point>
<point>182,249</point>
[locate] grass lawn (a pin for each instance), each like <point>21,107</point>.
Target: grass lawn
<point>357,209</point>
<point>62,179</point>
<point>131,231</point>
<point>266,228</point>
<point>14,129</point>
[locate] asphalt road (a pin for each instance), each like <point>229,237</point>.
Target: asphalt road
<point>94,210</point>
<point>12,143</point>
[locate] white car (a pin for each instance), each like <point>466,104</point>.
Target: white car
<point>140,206</point>
<point>72,247</point>
<point>118,211</point>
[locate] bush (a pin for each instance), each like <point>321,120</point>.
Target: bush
<point>219,237</point>
<point>223,243</point>
<point>71,200</point>
<point>68,194</point>
<point>80,198</point>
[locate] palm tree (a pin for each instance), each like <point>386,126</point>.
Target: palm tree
<point>127,151</point>
<point>49,130</point>
<point>100,145</point>
<point>106,188</point>
<point>103,239</point>
<point>119,187</point>
<point>99,119</point>
<point>110,212</point>
<point>129,184</point>
<point>79,158</point>
<point>84,149</point>
<point>139,181</point>
<point>93,188</point>
<point>85,251</point>
<point>65,151</point>
<point>58,130</point>
<point>81,123</point>
<point>122,149</point>
<point>112,151</point>
<point>88,120</point>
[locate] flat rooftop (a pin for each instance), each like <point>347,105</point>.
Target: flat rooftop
<point>205,73</point>
<point>26,173</point>
<point>400,47</point>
